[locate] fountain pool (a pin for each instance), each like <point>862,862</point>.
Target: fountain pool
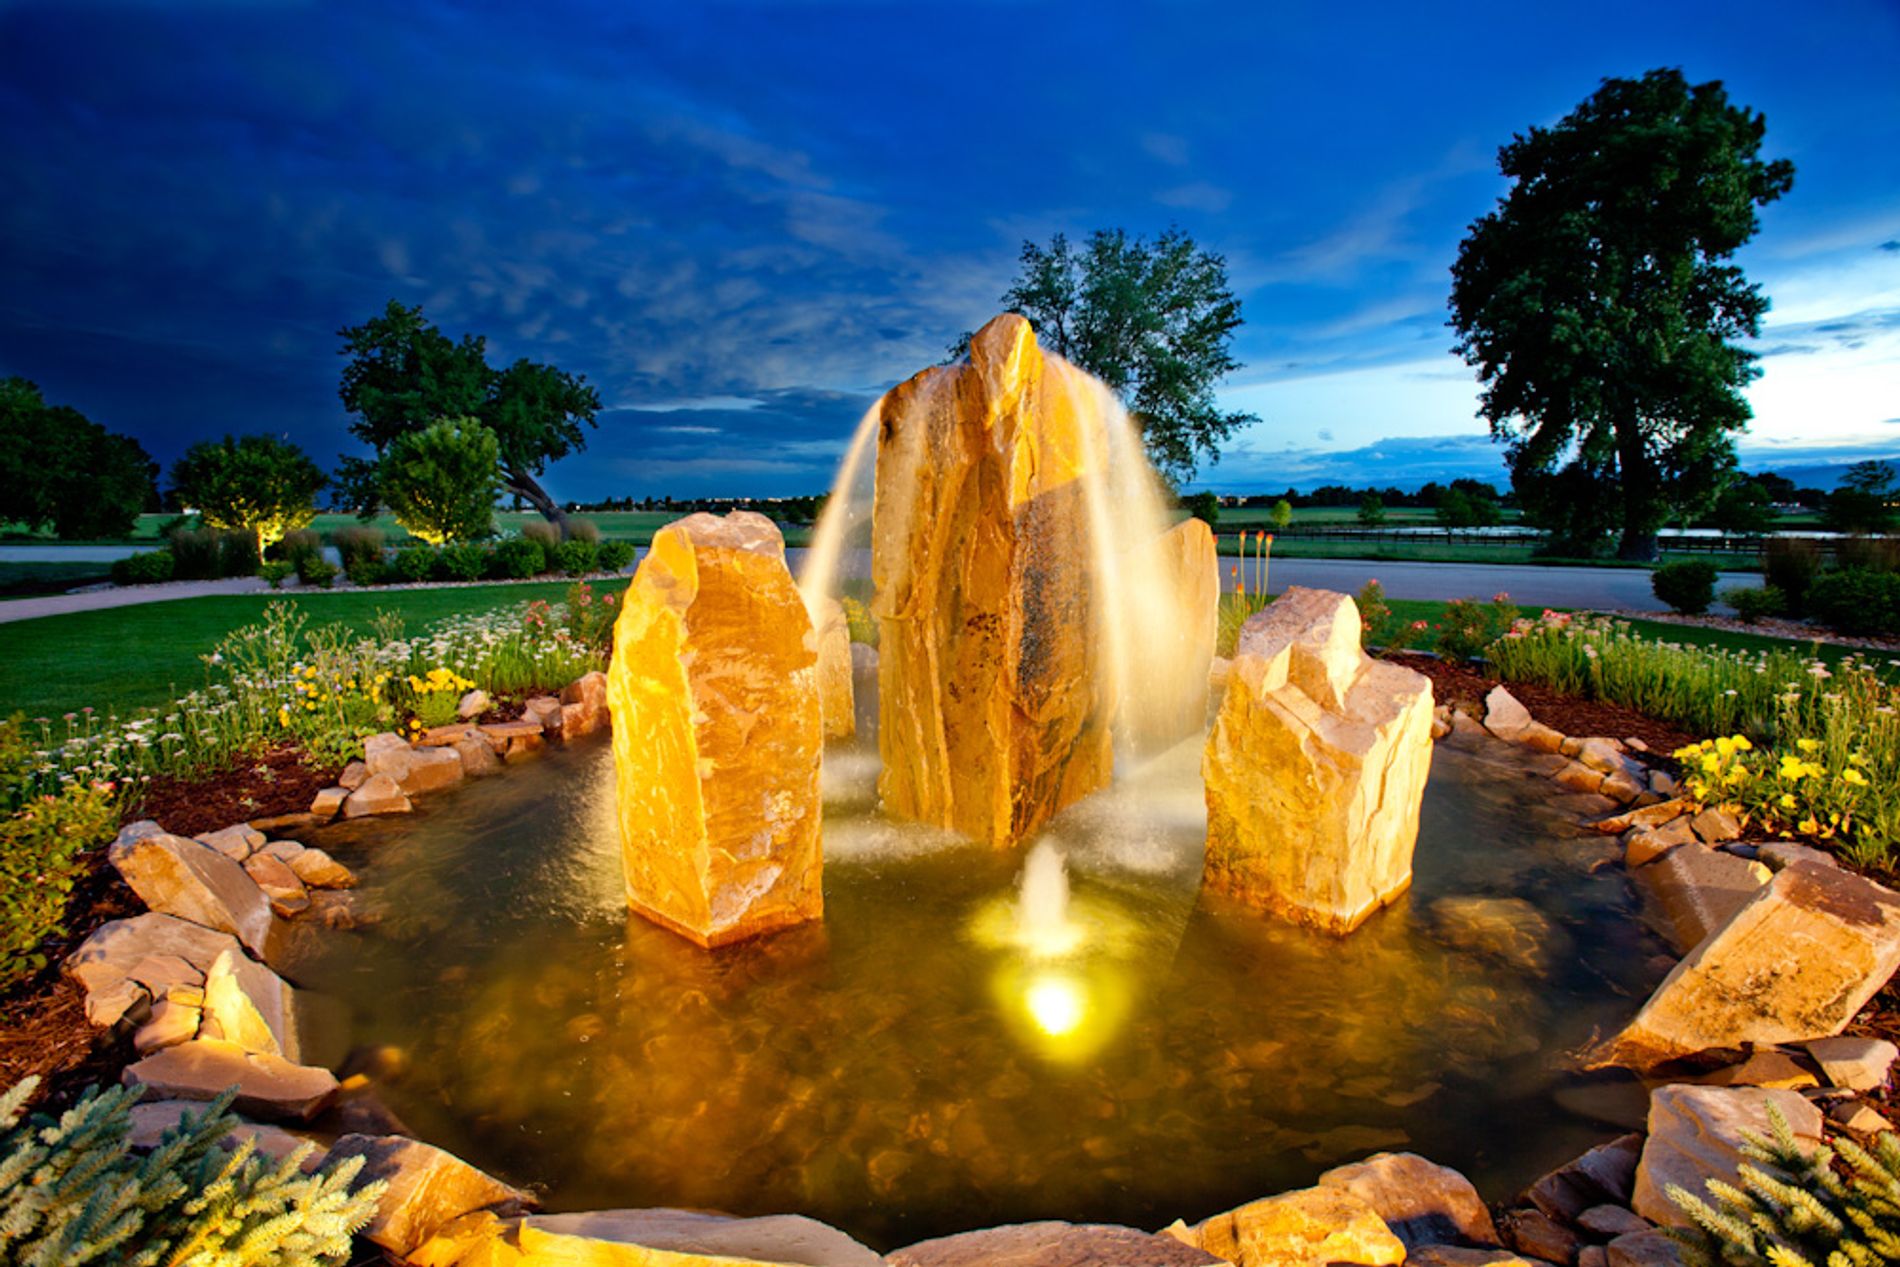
<point>918,1064</point>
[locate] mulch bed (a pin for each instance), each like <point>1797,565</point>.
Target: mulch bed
<point>281,781</point>
<point>1464,686</point>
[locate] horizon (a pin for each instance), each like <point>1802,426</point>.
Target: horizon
<point>744,222</point>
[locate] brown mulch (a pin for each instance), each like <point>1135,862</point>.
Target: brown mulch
<point>280,781</point>
<point>1465,687</point>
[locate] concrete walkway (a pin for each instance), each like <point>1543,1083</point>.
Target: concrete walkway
<point>128,596</point>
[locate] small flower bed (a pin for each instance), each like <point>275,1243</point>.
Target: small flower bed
<point>1809,792</point>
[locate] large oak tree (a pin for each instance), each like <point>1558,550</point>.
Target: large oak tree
<point>404,375</point>
<point>60,469</point>
<point>1601,310</point>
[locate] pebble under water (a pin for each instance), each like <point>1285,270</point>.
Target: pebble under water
<point>904,1070</point>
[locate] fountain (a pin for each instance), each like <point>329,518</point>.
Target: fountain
<point>1043,927</point>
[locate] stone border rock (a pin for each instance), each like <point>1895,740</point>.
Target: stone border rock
<point>206,1012</point>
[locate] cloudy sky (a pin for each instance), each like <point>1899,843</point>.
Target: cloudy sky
<point>744,221</point>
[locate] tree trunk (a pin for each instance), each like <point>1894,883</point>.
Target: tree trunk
<point>522,484</point>
<point>1641,496</point>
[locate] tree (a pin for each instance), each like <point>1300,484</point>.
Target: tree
<point>441,482</point>
<point>59,469</point>
<point>1744,509</point>
<point>1598,304</point>
<point>405,375</point>
<point>1203,506</point>
<point>1153,320</point>
<point>1281,515</point>
<point>257,483</point>
<point>1372,510</point>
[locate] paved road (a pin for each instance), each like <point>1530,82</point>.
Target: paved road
<point>1528,586</point>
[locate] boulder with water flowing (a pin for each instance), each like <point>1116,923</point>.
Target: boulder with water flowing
<point>992,711</point>
<point>1180,573</point>
<point>835,692</point>
<point>1315,768</point>
<point>717,733</point>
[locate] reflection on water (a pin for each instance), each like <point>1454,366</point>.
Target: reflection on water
<point>905,1069</point>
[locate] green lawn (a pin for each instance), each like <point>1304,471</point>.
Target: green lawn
<point>1464,552</point>
<point>637,526</point>
<point>23,580</point>
<point>129,658</point>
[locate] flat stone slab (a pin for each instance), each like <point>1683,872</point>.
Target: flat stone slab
<point>1697,1134</point>
<point>129,960</point>
<point>268,1086</point>
<point>152,1118</point>
<point>671,1234</point>
<point>1053,1244</point>
<point>176,876</point>
<point>428,1188</point>
<point>1422,1202</point>
<point>1309,1227</point>
<point>1692,890</point>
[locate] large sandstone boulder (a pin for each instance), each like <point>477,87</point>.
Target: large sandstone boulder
<point>1692,890</point>
<point>1315,768</point>
<point>686,1238</point>
<point>248,1004</point>
<point>1053,1244</point>
<point>718,734</point>
<point>835,691</point>
<point>130,961</point>
<point>428,1188</point>
<point>175,876</point>
<point>1697,1133</point>
<point>1310,1227</point>
<point>993,708</point>
<point>267,1086</point>
<point>1796,961</point>
<point>1422,1202</point>
<point>1179,573</point>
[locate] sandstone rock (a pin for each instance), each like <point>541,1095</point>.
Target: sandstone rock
<point>993,707</point>
<point>127,961</point>
<point>1503,715</point>
<point>683,1238</point>
<point>1796,962</point>
<point>354,775</point>
<point>836,694</point>
<point>1579,777</point>
<point>1715,826</point>
<point>717,733</point>
<point>1664,784</point>
<point>1535,1233</point>
<point>1052,1245</point>
<point>169,1024</point>
<point>472,705</point>
<point>1607,1222</point>
<point>1315,767</point>
<point>1440,728</point>
<point>267,1086</point>
<point>445,736</point>
<point>478,756</point>
<point>1693,890</point>
<point>1653,1248</point>
<point>1643,845</point>
<point>1622,788</point>
<point>1767,1068</point>
<point>379,794</point>
<point>430,770</point>
<point>1179,571</point>
<point>1505,928</point>
<point>514,740</point>
<point>544,711</point>
<point>590,692</point>
<point>1858,1116</point>
<point>138,830</point>
<point>236,842</point>
<point>175,876</point>
<point>279,883</point>
<point>1853,1063</point>
<point>328,803</point>
<point>1421,1202</point>
<point>1217,673</point>
<point>1697,1134</point>
<point>1606,756</point>
<point>151,1119</point>
<point>1779,855</point>
<point>1541,738</point>
<point>1647,816</point>
<point>576,722</point>
<point>1463,1256</point>
<point>428,1188</point>
<point>314,867</point>
<point>1309,1227</point>
<point>248,1004</point>
<point>1605,1174</point>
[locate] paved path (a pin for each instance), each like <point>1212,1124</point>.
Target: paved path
<point>1529,586</point>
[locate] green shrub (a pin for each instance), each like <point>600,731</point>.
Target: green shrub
<point>367,570</point>
<point>516,559</point>
<point>614,556</point>
<point>1687,585</point>
<point>413,563</point>
<point>1375,615</point>
<point>295,545</point>
<point>461,561</point>
<point>43,847</point>
<point>145,568</point>
<point>583,530</point>
<point>1854,601</point>
<point>73,1192</point>
<point>1471,625</point>
<point>576,557</point>
<point>1790,565</point>
<point>195,554</point>
<point>317,571</point>
<point>545,535</point>
<point>237,552</point>
<point>1752,602</point>
<point>1868,554</point>
<point>275,571</point>
<point>358,542</point>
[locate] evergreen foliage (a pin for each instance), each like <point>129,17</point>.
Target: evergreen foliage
<point>1796,1208</point>
<point>72,1192</point>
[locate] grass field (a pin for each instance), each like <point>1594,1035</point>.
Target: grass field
<point>637,526</point>
<point>129,658</point>
<point>22,580</point>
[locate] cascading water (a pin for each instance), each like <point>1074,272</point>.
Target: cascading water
<point>1043,926</point>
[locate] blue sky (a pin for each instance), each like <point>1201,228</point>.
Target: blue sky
<point>743,222</point>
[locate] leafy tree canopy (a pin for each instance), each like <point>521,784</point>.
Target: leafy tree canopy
<point>404,375</point>
<point>441,482</point>
<point>59,469</point>
<point>259,483</point>
<point>1153,320</point>
<point>1598,304</point>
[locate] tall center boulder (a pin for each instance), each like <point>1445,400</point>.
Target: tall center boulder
<point>992,713</point>
<point>718,733</point>
<point>1315,768</point>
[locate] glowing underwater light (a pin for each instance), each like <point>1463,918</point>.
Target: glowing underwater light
<point>1057,1004</point>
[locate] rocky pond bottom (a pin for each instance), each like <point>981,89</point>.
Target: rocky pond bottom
<point>907,1068</point>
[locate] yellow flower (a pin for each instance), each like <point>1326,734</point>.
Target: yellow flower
<point>1808,745</point>
<point>1787,800</point>
<point>1725,746</point>
<point>1807,826</point>
<point>1853,776</point>
<point>1710,763</point>
<point>1742,744</point>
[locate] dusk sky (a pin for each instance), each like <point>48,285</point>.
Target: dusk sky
<point>742,222</point>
